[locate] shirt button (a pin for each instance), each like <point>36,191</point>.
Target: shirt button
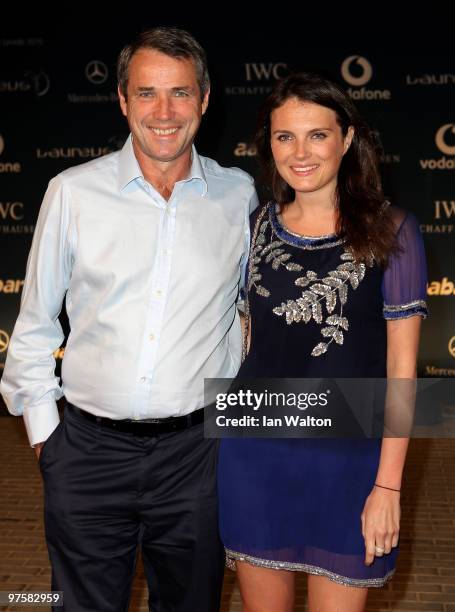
<point>143,379</point>
<point>151,337</point>
<point>158,292</point>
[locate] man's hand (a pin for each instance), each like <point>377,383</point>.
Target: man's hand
<point>38,448</point>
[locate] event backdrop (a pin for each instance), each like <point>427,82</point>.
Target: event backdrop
<point>59,108</point>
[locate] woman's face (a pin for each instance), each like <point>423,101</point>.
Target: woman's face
<point>308,146</point>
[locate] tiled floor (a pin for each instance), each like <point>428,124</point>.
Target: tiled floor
<point>425,577</point>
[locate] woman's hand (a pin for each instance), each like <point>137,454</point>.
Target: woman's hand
<point>380,523</point>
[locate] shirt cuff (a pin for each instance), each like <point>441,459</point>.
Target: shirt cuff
<point>40,421</point>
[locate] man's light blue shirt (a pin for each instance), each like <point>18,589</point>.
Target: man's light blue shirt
<point>151,289</point>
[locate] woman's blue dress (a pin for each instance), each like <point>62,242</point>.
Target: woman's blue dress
<point>295,504</point>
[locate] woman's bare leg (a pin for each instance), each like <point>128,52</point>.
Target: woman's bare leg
<point>324,595</point>
<point>265,590</point>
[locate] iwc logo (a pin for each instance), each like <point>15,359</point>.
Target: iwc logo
<point>258,77</point>
<point>265,72</point>
<point>11,210</point>
<point>13,214</point>
<point>357,71</point>
<point>444,215</point>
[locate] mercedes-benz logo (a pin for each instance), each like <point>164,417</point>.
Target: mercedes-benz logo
<point>4,341</point>
<point>96,72</point>
<point>2,144</point>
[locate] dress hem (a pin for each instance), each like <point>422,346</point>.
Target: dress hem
<point>232,556</point>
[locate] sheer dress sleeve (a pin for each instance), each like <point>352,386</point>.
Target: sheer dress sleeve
<point>404,284</point>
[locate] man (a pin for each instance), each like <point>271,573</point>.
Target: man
<point>148,245</point>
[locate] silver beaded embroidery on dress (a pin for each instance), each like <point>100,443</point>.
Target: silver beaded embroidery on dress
<point>321,296</point>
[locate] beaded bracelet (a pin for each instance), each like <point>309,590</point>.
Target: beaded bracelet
<point>389,488</point>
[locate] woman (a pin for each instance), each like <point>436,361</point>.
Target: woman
<point>336,288</point>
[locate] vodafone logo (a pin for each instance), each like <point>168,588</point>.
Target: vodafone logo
<point>8,166</point>
<point>440,139</point>
<point>357,72</point>
<point>366,70</point>
<point>447,161</point>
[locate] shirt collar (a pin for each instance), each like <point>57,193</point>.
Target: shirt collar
<point>129,169</point>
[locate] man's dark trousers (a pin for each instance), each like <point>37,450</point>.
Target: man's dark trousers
<point>108,492</point>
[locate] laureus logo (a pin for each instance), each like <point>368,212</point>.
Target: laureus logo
<point>441,141</point>
<point>32,82</point>
<point>41,83</point>
<point>72,152</point>
<point>358,71</point>
<point>366,70</point>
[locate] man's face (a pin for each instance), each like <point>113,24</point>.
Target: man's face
<point>163,106</point>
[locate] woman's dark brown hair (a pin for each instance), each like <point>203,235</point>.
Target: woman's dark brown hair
<point>364,218</point>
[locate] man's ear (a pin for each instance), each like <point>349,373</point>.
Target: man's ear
<point>205,101</point>
<point>122,101</point>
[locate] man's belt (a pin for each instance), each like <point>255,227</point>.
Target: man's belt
<point>146,427</point>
